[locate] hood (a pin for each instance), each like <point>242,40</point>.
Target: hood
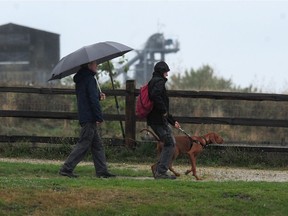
<point>161,67</point>
<point>81,74</point>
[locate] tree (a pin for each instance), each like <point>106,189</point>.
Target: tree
<point>203,79</point>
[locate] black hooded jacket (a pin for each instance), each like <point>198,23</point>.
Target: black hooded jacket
<point>88,96</point>
<point>158,94</point>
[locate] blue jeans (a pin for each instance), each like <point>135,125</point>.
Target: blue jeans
<point>89,138</point>
<point>164,133</point>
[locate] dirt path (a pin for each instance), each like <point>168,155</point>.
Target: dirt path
<point>208,173</point>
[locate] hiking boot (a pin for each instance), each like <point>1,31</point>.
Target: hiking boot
<point>164,176</point>
<point>105,175</point>
<point>69,174</point>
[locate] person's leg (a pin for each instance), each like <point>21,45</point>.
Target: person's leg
<point>81,148</point>
<point>164,133</point>
<point>98,154</point>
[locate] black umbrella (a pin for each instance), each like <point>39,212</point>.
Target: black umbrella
<point>99,52</point>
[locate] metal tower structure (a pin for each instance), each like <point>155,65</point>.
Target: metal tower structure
<point>155,50</point>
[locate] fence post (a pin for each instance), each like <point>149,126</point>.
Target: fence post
<point>130,118</point>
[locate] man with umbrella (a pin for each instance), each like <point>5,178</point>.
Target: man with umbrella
<point>90,116</point>
<point>84,61</point>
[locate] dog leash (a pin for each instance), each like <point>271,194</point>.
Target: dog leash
<point>184,132</point>
<point>189,136</point>
<point>191,140</point>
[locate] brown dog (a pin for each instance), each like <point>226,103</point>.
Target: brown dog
<point>189,145</point>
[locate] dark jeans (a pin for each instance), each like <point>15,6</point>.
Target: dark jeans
<point>89,138</point>
<point>164,133</point>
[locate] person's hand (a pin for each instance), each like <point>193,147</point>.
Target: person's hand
<point>177,125</point>
<point>102,96</point>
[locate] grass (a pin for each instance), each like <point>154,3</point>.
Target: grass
<point>37,189</point>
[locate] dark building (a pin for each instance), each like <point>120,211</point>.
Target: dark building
<point>27,55</point>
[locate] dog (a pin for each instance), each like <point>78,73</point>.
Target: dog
<point>191,145</point>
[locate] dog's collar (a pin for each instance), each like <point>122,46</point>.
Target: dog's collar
<point>198,142</point>
<point>206,142</point>
<point>195,141</point>
<point>204,145</point>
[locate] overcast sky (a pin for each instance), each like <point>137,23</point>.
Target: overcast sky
<point>245,41</point>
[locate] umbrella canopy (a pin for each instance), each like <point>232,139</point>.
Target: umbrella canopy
<point>99,52</point>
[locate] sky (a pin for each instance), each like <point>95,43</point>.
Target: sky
<point>245,41</point>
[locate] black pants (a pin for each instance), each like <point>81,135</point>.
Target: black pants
<point>164,132</point>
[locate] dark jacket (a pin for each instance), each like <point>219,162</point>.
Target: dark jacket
<point>88,97</point>
<point>158,94</point>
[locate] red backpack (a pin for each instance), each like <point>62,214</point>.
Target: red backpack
<point>143,104</point>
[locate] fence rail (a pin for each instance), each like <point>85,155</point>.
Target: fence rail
<point>121,117</point>
<point>171,93</point>
<point>130,94</point>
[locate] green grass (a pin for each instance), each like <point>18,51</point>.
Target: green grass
<point>37,189</point>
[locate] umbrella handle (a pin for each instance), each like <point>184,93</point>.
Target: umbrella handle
<point>98,84</point>
<point>116,101</point>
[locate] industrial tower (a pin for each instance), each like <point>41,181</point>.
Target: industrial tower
<point>155,50</point>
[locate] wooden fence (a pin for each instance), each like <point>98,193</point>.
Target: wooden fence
<point>130,94</point>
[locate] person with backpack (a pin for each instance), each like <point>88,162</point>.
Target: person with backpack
<point>159,119</point>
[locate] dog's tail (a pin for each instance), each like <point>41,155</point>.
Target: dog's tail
<point>151,132</point>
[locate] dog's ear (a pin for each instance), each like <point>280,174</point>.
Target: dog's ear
<point>213,137</point>
<point>216,139</point>
<point>220,140</point>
